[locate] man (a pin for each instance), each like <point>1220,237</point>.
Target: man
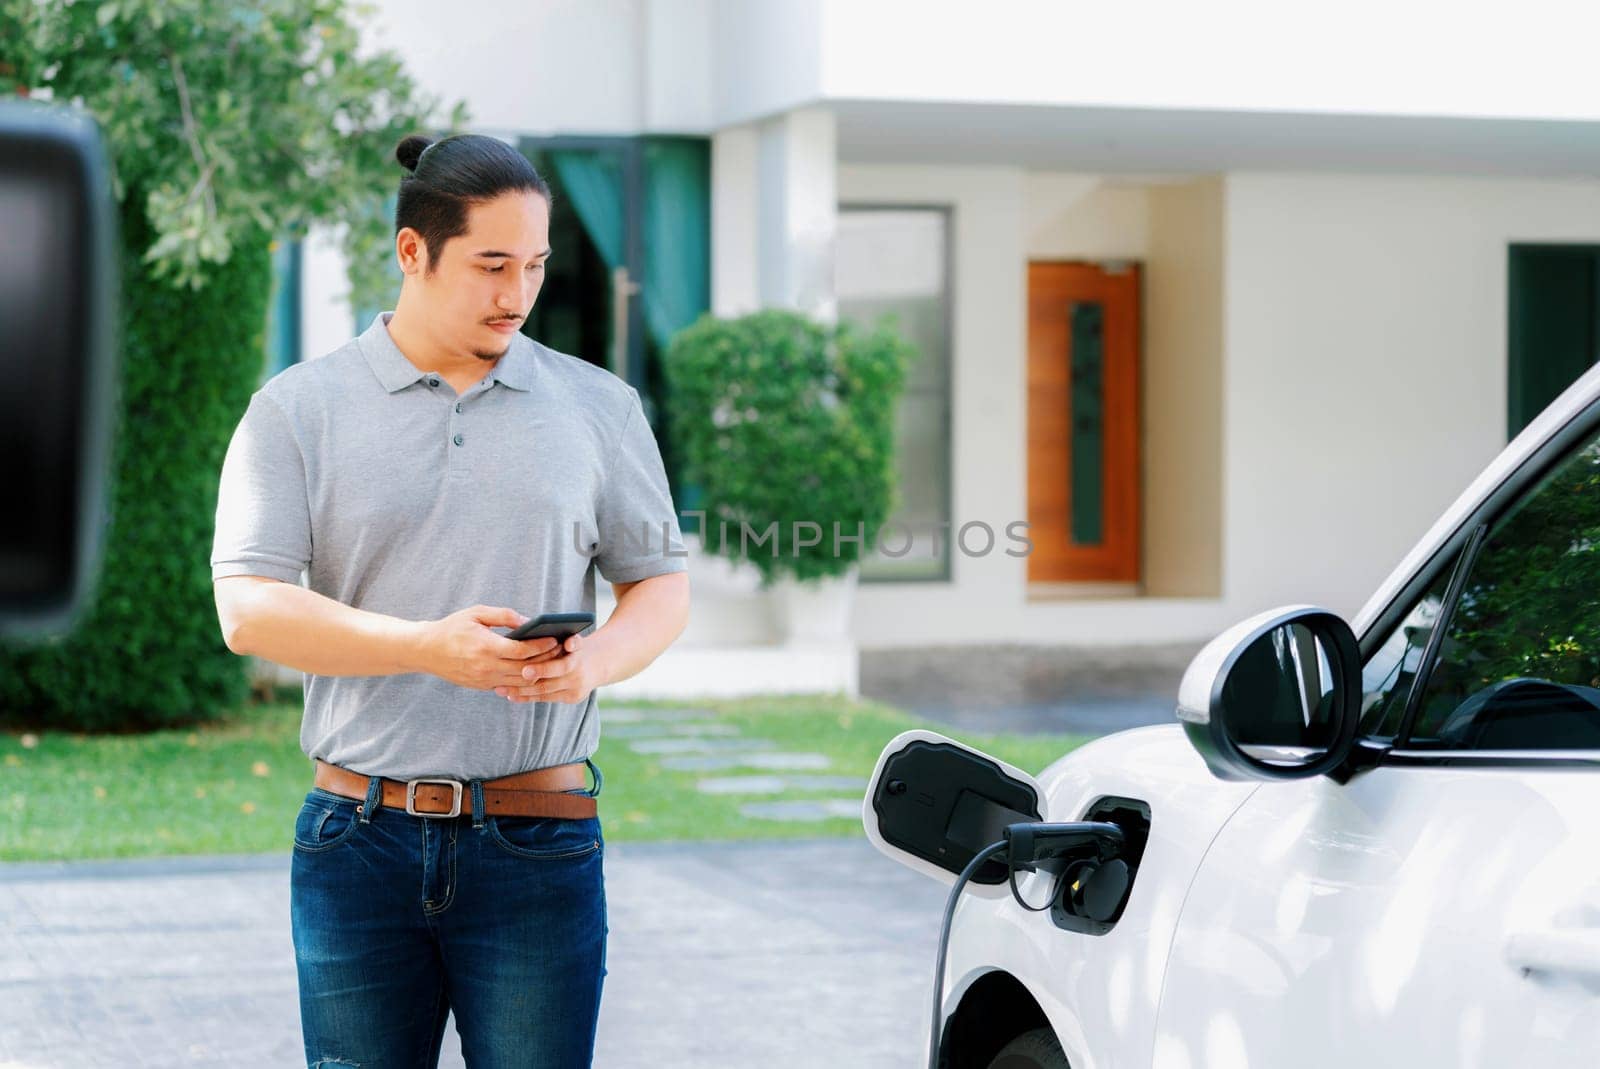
<point>436,478</point>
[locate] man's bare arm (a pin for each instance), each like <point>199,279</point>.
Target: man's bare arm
<point>290,625</point>
<point>649,616</point>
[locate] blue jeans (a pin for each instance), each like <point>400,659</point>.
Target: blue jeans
<point>399,920</point>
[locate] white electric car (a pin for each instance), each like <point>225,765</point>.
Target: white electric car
<point>1374,844</point>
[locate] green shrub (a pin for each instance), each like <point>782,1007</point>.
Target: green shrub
<point>148,650</point>
<point>782,421</point>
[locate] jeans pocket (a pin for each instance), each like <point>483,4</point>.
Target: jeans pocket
<point>545,838</point>
<point>323,823</point>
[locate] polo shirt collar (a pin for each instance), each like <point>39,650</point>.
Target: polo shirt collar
<point>395,372</point>
<point>515,369</point>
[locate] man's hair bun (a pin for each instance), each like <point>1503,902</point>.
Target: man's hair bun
<point>463,170</point>
<point>409,150</point>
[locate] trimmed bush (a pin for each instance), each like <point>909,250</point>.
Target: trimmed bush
<point>780,421</point>
<point>148,651</point>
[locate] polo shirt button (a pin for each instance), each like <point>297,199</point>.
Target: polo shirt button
<point>458,406</point>
<point>457,439</point>
<point>433,381</point>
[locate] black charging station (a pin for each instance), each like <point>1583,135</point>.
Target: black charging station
<point>927,808</point>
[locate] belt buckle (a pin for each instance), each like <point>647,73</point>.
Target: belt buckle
<point>411,797</point>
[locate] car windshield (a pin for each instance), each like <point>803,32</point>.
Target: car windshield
<point>1519,666</point>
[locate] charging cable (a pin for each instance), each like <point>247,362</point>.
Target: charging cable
<point>1025,845</point>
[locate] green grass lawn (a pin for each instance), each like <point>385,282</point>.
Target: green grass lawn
<point>234,786</point>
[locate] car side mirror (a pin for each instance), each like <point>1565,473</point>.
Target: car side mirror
<point>1275,697</point>
<point>58,283</point>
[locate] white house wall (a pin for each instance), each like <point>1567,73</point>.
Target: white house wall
<point>767,57</point>
<point>735,210</point>
<point>1000,218</point>
<point>1424,57</point>
<point>1365,365</point>
<point>1325,369</point>
<point>678,78</point>
<point>693,66</point>
<point>988,264</point>
<point>1083,217</point>
<point>590,67</point>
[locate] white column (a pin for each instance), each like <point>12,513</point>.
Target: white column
<point>734,200</point>
<point>797,217</point>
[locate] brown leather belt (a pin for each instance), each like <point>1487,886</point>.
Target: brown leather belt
<point>527,794</point>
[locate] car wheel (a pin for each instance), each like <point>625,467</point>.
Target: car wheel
<point>1031,1050</point>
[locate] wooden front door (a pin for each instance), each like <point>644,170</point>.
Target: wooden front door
<point>1083,423</point>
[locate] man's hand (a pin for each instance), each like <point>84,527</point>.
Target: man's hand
<point>462,650</point>
<point>569,677</point>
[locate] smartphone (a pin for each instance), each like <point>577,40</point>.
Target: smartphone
<point>556,625</point>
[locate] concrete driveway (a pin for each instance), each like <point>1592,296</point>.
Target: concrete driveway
<point>802,954</point>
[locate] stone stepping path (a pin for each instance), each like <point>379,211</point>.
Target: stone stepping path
<point>770,762</point>
<point>699,746</point>
<point>647,730</point>
<point>627,714</point>
<point>692,740</point>
<point>803,810</point>
<point>778,784</point>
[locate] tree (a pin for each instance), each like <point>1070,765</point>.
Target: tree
<point>222,118</point>
<point>226,125</point>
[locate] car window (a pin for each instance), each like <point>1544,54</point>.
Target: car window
<point>1387,676</point>
<point>1519,667</point>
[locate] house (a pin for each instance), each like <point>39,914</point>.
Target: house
<point>1225,304</point>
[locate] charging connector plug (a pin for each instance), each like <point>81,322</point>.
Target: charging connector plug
<point>1029,844</point>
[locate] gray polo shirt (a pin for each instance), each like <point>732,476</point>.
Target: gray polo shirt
<point>380,487</point>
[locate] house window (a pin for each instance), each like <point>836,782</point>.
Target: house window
<point>1554,321</point>
<point>894,262</point>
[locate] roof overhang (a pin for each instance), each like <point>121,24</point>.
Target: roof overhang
<point>1175,141</point>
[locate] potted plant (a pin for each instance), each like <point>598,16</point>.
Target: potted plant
<point>785,428</point>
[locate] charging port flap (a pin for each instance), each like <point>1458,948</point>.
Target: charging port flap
<point>933,803</point>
